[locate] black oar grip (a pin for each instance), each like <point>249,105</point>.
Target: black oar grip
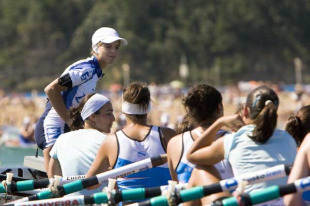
<point>42,183</point>
<point>159,160</point>
<point>288,168</point>
<point>287,189</point>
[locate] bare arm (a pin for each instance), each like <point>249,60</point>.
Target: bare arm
<point>301,168</point>
<point>105,158</point>
<point>54,168</point>
<point>27,131</point>
<point>174,150</point>
<point>203,152</point>
<point>53,92</point>
<point>209,155</point>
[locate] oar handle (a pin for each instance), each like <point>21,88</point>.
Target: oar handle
<point>271,193</point>
<point>159,160</point>
<point>224,185</point>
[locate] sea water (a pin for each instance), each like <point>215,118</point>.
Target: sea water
<point>14,156</point>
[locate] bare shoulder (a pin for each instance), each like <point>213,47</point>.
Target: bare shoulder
<point>110,141</point>
<point>174,143</point>
<point>305,146</point>
<point>109,149</point>
<point>174,152</point>
<point>306,141</point>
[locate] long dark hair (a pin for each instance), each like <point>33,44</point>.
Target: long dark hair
<point>187,124</point>
<point>299,125</point>
<point>202,107</point>
<point>202,103</point>
<point>263,103</point>
<point>75,114</point>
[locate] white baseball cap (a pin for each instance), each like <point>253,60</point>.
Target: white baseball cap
<point>106,35</point>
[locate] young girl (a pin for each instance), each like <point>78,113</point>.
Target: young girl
<point>255,146</point>
<point>299,127</point>
<point>203,105</point>
<point>136,141</point>
<point>74,152</point>
<point>78,80</point>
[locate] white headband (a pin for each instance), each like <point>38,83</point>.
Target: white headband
<point>93,105</point>
<point>129,108</point>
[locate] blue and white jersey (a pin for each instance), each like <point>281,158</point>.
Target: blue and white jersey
<point>130,151</point>
<point>184,168</point>
<point>306,197</point>
<point>84,75</point>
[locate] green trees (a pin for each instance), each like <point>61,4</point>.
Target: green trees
<point>223,41</point>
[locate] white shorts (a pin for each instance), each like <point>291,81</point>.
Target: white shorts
<point>53,127</point>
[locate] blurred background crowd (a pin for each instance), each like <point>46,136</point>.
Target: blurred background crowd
<point>233,45</point>
<point>20,111</point>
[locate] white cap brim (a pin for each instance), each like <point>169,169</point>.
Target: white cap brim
<point>109,40</point>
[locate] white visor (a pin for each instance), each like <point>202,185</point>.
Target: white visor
<point>129,108</point>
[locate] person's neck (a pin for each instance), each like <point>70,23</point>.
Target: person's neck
<point>205,125</point>
<point>87,126</point>
<point>201,128</point>
<point>90,127</point>
<point>136,122</point>
<point>102,64</point>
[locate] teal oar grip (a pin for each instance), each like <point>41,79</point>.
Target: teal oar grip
<point>160,201</point>
<point>231,201</point>
<point>2,189</point>
<point>45,195</point>
<point>256,197</point>
<point>73,187</point>
<point>270,193</point>
<point>25,185</point>
<point>100,198</point>
<point>133,194</point>
<point>192,194</point>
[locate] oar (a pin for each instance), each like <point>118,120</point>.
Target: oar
<point>224,185</point>
<point>20,184</point>
<point>102,197</point>
<point>15,179</point>
<point>269,193</point>
<point>100,178</point>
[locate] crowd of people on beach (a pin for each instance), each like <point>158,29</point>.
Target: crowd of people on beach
<point>84,132</point>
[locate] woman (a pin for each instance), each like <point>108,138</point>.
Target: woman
<point>255,146</point>
<point>78,80</point>
<point>136,141</point>
<point>75,151</point>
<point>203,105</point>
<point>299,127</point>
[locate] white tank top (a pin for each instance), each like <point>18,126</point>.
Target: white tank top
<point>184,170</point>
<point>130,151</point>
